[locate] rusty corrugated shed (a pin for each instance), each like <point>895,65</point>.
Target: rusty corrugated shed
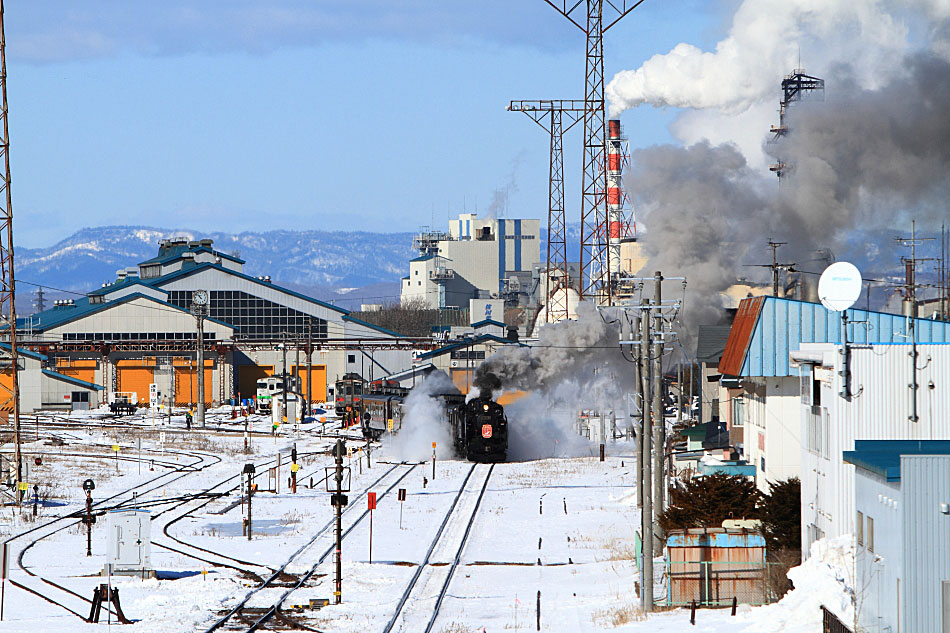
<point>740,336</point>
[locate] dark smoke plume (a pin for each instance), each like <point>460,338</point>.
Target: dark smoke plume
<point>568,350</point>
<point>863,163</point>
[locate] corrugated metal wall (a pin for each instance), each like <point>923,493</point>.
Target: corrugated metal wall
<point>878,410</point>
<point>784,324</point>
<point>925,483</point>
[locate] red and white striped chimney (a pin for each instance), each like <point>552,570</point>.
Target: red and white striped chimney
<point>614,193</point>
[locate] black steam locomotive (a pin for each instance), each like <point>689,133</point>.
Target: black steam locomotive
<point>480,430</point>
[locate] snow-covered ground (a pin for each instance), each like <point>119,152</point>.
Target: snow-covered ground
<point>577,516</point>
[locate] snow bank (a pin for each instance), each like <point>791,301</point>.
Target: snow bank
<point>826,578</point>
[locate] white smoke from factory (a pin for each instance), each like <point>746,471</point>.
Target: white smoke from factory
<point>763,44</point>
<point>424,421</point>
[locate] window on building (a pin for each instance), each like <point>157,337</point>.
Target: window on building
<point>870,534</point>
<point>256,318</point>
<point>859,529</point>
<point>351,358</point>
<point>815,432</point>
<point>738,411</point>
<point>761,463</point>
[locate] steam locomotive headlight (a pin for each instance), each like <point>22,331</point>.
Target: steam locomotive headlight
<point>485,406</point>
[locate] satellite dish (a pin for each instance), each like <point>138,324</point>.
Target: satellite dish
<point>839,286</point>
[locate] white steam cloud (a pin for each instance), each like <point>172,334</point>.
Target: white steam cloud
<point>424,421</point>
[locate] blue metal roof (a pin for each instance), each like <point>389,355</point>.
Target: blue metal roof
<point>742,469</point>
<point>783,324</point>
<point>24,352</point>
<point>422,258</point>
<point>75,381</point>
<point>59,315</point>
<point>128,281</point>
<point>884,456</point>
<point>485,322</point>
<point>466,343</point>
<point>176,253</point>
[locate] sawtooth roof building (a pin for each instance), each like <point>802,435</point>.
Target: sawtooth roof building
<point>139,330</point>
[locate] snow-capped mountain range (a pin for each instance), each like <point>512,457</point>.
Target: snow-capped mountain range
<point>347,267</point>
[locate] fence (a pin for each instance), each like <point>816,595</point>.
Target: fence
<point>830,622</point>
<point>716,583</point>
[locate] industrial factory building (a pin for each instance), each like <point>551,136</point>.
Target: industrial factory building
<point>140,330</point>
<point>477,258</point>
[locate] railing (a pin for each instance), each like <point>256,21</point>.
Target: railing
<point>831,624</point>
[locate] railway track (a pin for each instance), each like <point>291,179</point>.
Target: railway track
<point>242,617</point>
<point>66,521</point>
<point>413,609</point>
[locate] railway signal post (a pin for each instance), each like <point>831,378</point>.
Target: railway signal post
<point>338,500</point>
<point>89,485</point>
<point>249,471</point>
<point>433,461</point>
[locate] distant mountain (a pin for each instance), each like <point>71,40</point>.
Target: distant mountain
<point>344,267</point>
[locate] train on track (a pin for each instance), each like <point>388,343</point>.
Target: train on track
<point>479,427</point>
<point>480,430</point>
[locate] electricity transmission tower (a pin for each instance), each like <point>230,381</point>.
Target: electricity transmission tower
<point>595,267</point>
<point>11,398</point>
<point>550,115</point>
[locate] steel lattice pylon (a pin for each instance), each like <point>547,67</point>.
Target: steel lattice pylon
<point>595,270</point>
<point>9,397</point>
<point>549,114</point>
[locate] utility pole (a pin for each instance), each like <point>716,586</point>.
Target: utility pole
<point>40,299</point>
<point>659,411</point>
<point>776,267</point>
<point>646,515</point>
<point>286,377</point>
<point>338,502</point>
<point>7,283</point>
<point>309,364</point>
<point>199,304</point>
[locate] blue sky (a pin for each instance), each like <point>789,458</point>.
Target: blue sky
<point>371,114</point>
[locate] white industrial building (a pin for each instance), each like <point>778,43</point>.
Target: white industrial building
<point>477,258</point>
<point>139,330</point>
<point>902,534</point>
<point>880,408</point>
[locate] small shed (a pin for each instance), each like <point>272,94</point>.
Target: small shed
<point>714,565</point>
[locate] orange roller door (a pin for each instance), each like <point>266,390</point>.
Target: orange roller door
<point>319,384</point>
<point>79,369</point>
<point>135,376</point>
<point>186,383</point>
<point>6,391</point>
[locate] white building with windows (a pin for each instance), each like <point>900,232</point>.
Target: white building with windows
<point>477,258</point>
<point>880,407</point>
